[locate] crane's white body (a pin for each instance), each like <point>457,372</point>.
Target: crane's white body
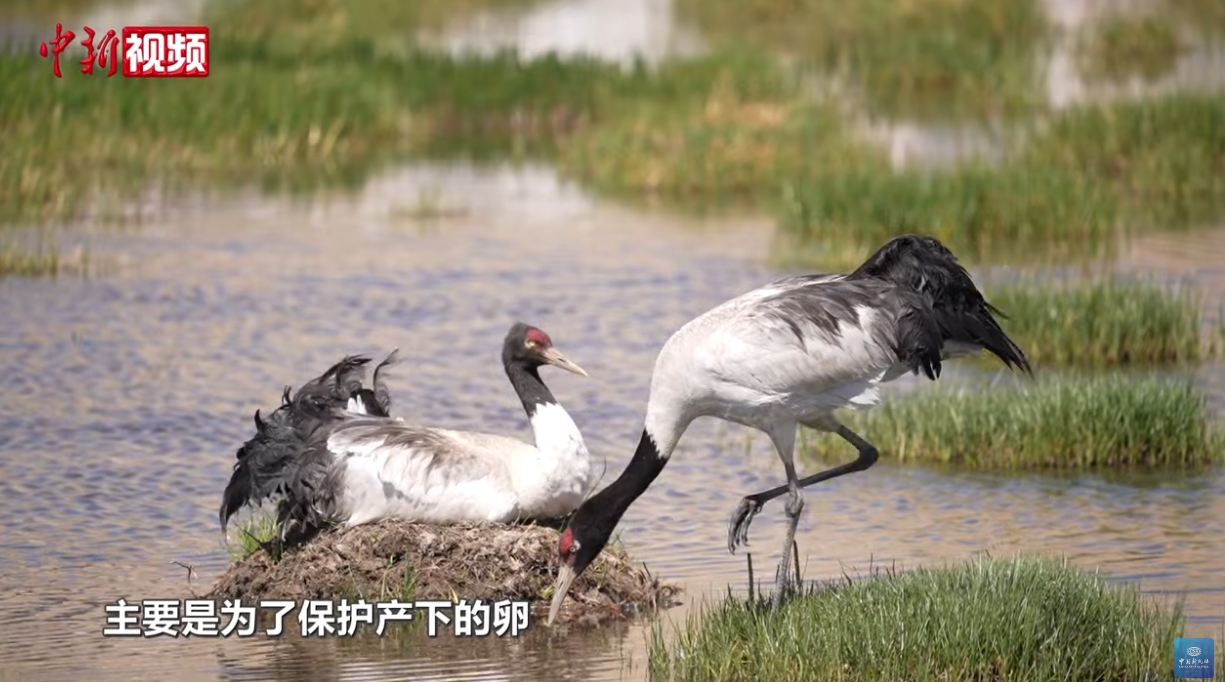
<point>741,363</point>
<point>386,468</point>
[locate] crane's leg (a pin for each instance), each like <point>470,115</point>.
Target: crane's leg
<point>737,531</point>
<point>795,505</point>
<point>738,528</point>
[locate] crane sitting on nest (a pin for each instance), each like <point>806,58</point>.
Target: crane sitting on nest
<point>333,454</point>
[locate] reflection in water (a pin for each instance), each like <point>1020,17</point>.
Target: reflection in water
<point>625,30</point>
<point>620,31</point>
<point>406,651</point>
<point>1199,68</point>
<point>648,29</point>
<point>25,27</point>
<point>116,15</point>
<point>934,145</point>
<point>126,396</point>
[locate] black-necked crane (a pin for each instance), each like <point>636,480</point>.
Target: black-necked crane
<point>332,454</point>
<point>789,354</point>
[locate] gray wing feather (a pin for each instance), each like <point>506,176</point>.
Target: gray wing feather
<point>430,453</point>
<point>803,335</point>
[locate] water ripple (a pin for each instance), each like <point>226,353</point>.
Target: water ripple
<point>129,393</point>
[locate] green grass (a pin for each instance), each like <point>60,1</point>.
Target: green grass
<point>1081,179</point>
<point>1206,15</point>
<point>1022,618</point>
<point>63,11</point>
<point>20,262</point>
<point>276,111</point>
<point>1123,46</point>
<point>250,534</point>
<point>1107,322</point>
<point>1162,161</point>
<point>1015,213</point>
<point>727,145</point>
<point>1057,422</point>
<point>274,122</point>
<point>925,58</point>
<point>287,114</point>
<point>293,27</point>
<point>306,94</point>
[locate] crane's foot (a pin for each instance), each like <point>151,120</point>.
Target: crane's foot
<point>738,527</point>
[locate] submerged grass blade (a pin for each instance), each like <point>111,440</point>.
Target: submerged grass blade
<point>1022,618</point>
<point>1058,422</point>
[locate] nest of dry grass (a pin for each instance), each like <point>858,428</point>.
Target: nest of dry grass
<point>420,561</point>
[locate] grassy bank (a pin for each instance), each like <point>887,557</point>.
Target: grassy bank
<point>999,619</point>
<point>1106,322</point>
<point>312,93</point>
<point>292,27</point>
<point>263,119</point>
<point>1067,191</point>
<point>19,261</point>
<point>53,10</point>
<point>1206,15</point>
<point>1051,423</point>
<point>925,58</point>
<point>1124,46</point>
<point>284,111</point>
<point>727,144</point>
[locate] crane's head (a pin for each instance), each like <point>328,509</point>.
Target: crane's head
<point>531,347</point>
<point>591,526</point>
<point>582,541</point>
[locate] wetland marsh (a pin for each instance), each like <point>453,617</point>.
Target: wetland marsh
<point>173,253</point>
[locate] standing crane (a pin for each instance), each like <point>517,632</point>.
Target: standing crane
<point>789,354</point>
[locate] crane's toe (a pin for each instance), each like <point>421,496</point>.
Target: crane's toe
<point>738,527</point>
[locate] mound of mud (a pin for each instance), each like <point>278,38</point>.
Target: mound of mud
<point>393,558</point>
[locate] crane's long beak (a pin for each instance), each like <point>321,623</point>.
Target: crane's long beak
<point>554,357</point>
<point>565,576</point>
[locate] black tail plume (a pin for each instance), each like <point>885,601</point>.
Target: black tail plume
<point>264,461</point>
<point>923,265</point>
<point>382,396</point>
<point>288,456</point>
<point>332,389</point>
<point>376,402</point>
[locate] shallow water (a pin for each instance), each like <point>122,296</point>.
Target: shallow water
<point>128,392</point>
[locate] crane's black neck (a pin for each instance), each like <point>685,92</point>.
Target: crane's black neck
<point>604,510</point>
<point>529,387</point>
